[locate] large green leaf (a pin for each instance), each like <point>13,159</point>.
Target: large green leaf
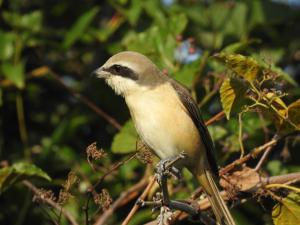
<point>287,211</point>
<point>125,140</point>
<point>243,66</point>
<point>79,27</point>
<point>14,73</point>
<point>231,91</point>
<point>19,171</point>
<point>187,73</point>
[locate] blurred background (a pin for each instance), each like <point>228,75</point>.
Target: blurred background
<point>52,109</point>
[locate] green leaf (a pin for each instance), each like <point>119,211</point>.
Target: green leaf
<point>125,140</point>
<point>133,13</point>
<point>231,92</point>
<point>187,73</point>
<point>79,27</point>
<point>6,45</point>
<point>19,171</point>
<point>243,66</point>
<point>31,21</point>
<point>14,73</point>
<point>177,24</point>
<point>292,113</point>
<point>217,132</point>
<point>240,46</point>
<point>287,211</point>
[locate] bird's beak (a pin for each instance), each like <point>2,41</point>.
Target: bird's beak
<point>100,73</point>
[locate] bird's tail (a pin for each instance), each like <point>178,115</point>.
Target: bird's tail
<point>219,207</point>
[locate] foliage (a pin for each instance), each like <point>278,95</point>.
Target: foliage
<point>287,211</point>
<point>240,57</point>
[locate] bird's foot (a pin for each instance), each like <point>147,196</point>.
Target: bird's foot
<point>158,203</point>
<point>165,167</point>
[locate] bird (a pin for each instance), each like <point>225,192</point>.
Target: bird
<point>167,120</point>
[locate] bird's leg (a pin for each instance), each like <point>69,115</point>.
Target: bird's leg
<point>163,170</point>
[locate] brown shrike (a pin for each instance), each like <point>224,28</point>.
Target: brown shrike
<point>167,120</point>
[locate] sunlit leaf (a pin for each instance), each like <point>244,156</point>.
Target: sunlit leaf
<point>30,21</point>
<point>294,112</point>
<point>274,99</point>
<point>133,13</point>
<point>14,73</point>
<point>287,211</point>
<point>125,140</point>
<point>243,66</point>
<point>231,91</point>
<point>6,45</point>
<point>177,24</point>
<point>19,171</point>
<point>78,28</point>
<point>217,132</point>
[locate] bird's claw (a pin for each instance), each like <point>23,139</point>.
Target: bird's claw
<point>165,167</point>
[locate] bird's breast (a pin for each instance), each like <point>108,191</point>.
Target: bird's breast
<point>162,122</point>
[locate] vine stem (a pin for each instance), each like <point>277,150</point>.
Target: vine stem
<point>22,124</point>
<point>283,186</point>
<point>241,135</point>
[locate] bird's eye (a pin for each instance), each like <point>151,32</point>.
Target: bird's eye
<point>117,68</point>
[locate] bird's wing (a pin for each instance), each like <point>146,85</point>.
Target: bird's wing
<point>194,113</point>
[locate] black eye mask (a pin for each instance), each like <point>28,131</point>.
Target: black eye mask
<point>122,71</point>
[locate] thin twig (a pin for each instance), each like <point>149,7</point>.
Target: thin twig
<point>50,202</point>
<point>114,167</point>
<point>241,135</point>
<point>142,197</point>
<point>87,102</point>
<point>215,118</point>
<point>263,158</point>
<point>297,190</point>
<point>255,152</point>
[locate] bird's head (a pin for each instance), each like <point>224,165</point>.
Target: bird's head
<point>129,72</point>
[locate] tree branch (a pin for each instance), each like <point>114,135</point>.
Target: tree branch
<point>205,204</point>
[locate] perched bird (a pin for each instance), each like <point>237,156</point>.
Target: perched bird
<point>167,119</point>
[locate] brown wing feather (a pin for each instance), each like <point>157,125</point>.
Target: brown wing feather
<point>194,112</point>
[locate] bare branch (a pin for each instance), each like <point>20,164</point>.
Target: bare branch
<point>87,102</point>
<point>125,197</point>
<point>204,204</point>
<point>215,118</point>
<point>255,152</point>
<point>142,197</point>
<point>50,202</point>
